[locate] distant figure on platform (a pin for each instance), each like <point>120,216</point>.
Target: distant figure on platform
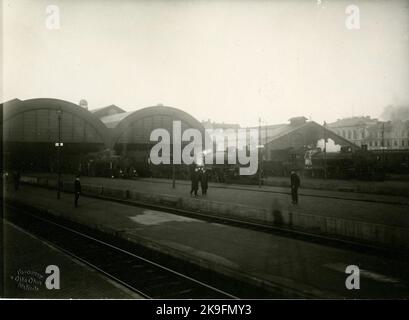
<point>203,182</point>
<point>16,180</point>
<point>295,184</point>
<point>194,176</point>
<point>77,189</point>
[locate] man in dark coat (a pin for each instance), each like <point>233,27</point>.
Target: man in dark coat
<point>195,181</point>
<point>77,189</point>
<point>194,178</point>
<point>295,184</point>
<point>203,182</point>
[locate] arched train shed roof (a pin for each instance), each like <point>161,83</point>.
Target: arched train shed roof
<point>119,123</point>
<point>16,107</point>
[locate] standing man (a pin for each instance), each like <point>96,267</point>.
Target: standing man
<point>77,189</point>
<point>195,182</point>
<point>203,182</point>
<point>193,178</point>
<point>295,184</point>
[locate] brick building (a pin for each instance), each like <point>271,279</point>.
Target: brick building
<point>373,133</point>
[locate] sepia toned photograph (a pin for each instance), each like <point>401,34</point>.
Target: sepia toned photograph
<point>210,150</point>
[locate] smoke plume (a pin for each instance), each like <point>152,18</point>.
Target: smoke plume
<point>395,113</point>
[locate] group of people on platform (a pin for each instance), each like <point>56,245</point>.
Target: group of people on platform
<point>198,175</point>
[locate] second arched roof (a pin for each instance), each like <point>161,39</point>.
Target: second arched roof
<point>120,122</point>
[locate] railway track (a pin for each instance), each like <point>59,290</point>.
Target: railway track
<point>278,230</point>
<point>272,229</point>
<point>129,265</point>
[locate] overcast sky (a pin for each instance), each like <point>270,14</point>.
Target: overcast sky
<point>231,61</point>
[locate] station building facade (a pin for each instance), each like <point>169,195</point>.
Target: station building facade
<point>33,129</point>
<point>372,133</point>
<point>130,137</point>
<point>109,141</point>
<point>290,145</point>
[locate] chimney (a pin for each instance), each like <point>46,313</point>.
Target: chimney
<point>83,104</point>
<point>297,121</point>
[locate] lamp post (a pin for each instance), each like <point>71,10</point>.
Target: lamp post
<point>383,147</point>
<point>325,151</point>
<point>259,153</point>
<point>59,144</point>
<point>173,173</point>
<point>261,150</point>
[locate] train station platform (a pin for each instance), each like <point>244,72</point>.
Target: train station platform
<point>378,220</point>
<point>26,258</point>
<point>290,267</point>
<point>379,209</point>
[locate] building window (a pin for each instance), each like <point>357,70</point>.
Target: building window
<point>376,143</point>
<point>395,143</point>
<point>349,134</point>
<point>388,143</point>
<point>343,134</point>
<point>403,143</point>
<point>370,143</point>
<point>363,135</point>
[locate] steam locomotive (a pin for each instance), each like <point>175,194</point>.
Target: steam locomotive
<point>358,164</point>
<point>346,164</point>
